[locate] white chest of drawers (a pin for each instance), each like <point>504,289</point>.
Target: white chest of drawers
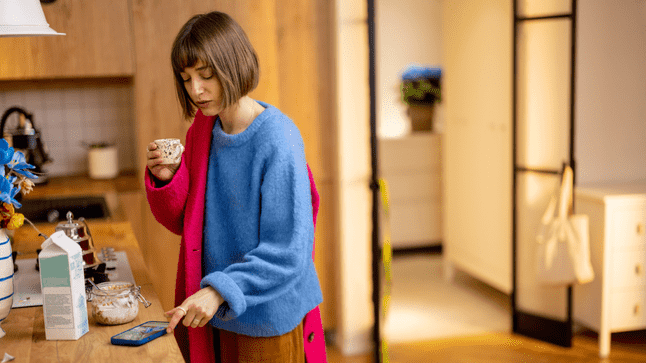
<point>616,300</point>
<point>412,166</point>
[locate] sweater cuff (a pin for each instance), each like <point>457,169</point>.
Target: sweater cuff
<point>235,303</point>
<point>154,184</point>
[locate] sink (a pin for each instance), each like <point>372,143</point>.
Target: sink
<point>54,209</point>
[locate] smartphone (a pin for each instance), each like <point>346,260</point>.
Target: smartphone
<point>140,334</point>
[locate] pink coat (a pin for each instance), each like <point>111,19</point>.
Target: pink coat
<point>183,214</point>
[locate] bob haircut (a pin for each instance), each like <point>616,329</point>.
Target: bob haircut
<point>218,41</point>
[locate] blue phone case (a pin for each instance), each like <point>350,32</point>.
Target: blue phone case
<point>140,334</point>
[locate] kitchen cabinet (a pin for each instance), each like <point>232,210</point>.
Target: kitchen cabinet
<point>98,43</point>
<point>615,300</point>
<point>412,167</point>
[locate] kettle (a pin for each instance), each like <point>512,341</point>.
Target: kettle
<point>79,232</point>
<point>26,138</point>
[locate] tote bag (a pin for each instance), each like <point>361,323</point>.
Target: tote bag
<point>563,255</point>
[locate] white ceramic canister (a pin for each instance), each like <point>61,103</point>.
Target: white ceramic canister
<point>103,161</point>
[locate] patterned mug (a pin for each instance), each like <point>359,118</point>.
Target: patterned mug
<point>171,149</point>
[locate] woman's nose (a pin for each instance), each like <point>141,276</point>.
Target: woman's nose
<point>197,86</point>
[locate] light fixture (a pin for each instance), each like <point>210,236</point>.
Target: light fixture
<point>23,18</point>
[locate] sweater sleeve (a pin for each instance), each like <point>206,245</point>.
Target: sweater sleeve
<point>285,235</point>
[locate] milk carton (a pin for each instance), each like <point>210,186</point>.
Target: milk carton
<point>62,283</point>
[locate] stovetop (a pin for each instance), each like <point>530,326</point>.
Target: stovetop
<point>26,281</point>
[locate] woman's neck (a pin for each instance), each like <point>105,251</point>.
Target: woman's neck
<point>237,117</point>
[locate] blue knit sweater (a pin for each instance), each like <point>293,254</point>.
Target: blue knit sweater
<point>258,230</point>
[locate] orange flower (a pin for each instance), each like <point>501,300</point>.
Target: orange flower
<point>16,221</point>
<point>6,211</point>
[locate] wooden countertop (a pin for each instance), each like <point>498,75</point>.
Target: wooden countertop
<point>25,339</point>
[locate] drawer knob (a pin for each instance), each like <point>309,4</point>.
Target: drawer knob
<point>637,309</point>
<point>639,269</point>
<point>640,229</point>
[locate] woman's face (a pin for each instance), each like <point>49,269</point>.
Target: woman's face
<point>203,87</point>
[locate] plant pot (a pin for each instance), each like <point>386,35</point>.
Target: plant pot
<point>421,116</point>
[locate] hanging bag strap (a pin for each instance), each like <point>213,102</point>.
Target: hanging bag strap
<point>565,203</point>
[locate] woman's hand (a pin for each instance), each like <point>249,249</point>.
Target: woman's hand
<point>163,172</point>
<point>197,309</point>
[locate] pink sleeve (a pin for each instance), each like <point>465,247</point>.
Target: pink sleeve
<point>167,202</point>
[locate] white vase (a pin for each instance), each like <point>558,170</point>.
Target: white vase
<point>6,278</point>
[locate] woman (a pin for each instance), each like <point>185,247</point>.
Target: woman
<point>242,199</point>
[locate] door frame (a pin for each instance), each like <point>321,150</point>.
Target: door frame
<point>526,323</point>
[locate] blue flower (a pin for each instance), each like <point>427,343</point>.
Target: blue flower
<point>6,152</point>
<point>13,174</point>
<point>18,164</point>
<point>8,192</point>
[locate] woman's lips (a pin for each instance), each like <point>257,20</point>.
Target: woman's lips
<point>203,104</point>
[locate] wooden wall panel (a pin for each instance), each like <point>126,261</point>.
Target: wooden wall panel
<point>157,111</point>
<point>298,64</point>
<point>290,37</point>
<point>258,19</point>
<point>326,254</point>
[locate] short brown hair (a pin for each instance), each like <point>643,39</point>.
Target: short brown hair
<point>218,41</point>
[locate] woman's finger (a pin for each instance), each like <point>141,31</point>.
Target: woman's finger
<point>196,322</point>
<point>190,317</point>
<point>176,315</point>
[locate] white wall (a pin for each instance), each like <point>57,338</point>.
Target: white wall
<point>408,31</point>
<point>610,114</point>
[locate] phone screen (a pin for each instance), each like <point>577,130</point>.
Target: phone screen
<point>142,331</point>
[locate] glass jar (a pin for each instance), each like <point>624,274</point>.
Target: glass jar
<point>115,303</point>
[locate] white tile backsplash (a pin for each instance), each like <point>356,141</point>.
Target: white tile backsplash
<point>69,115</point>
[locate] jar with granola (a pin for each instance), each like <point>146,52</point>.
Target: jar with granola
<point>115,303</point>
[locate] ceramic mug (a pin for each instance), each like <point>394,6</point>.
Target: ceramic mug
<point>171,149</point>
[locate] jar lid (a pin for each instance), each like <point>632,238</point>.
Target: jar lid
<point>119,289</point>
<point>113,288</point>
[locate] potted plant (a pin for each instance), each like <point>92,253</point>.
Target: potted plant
<point>420,90</point>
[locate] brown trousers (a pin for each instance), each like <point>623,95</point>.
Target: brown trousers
<point>237,348</point>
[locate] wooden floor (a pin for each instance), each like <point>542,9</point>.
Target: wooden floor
<point>508,348</point>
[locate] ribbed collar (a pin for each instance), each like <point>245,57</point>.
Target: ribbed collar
<point>224,139</point>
